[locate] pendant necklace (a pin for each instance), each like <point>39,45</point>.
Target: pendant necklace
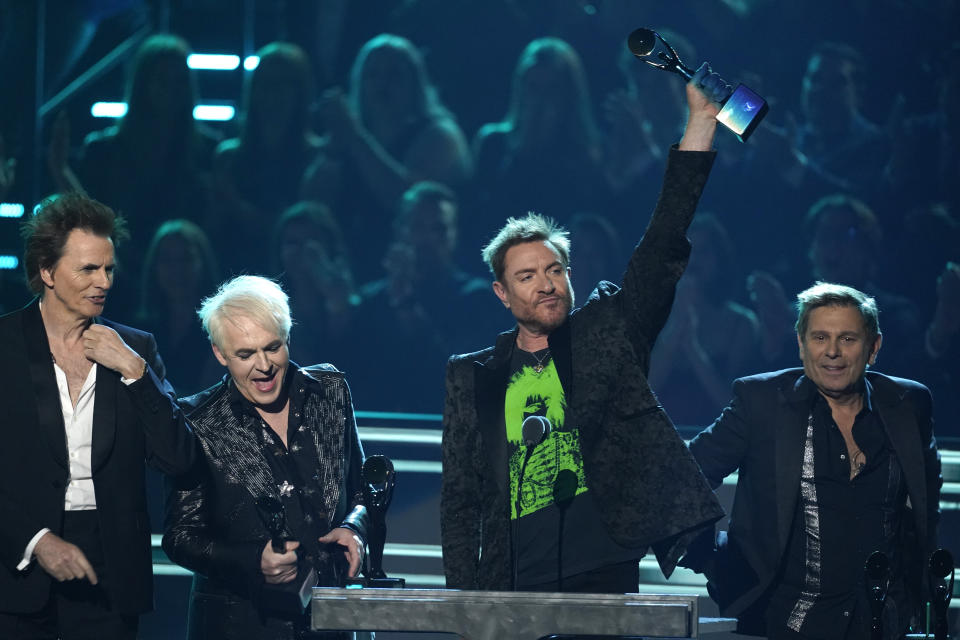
<point>538,368</point>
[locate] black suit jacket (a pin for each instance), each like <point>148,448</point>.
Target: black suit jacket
<point>646,484</point>
<point>130,424</point>
<point>762,434</point>
<point>213,525</point>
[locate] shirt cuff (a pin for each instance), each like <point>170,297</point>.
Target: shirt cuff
<point>28,553</point>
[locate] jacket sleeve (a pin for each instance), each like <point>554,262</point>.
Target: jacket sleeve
<point>460,495</point>
<point>190,542</point>
<point>356,517</point>
<point>721,448</point>
<point>662,254</point>
<point>170,445</point>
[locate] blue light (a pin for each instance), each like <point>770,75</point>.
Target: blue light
<point>251,62</point>
<point>220,112</point>
<point>9,262</point>
<point>213,61</point>
<point>11,210</point>
<point>108,109</point>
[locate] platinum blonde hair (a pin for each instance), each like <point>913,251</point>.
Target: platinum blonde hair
<point>255,297</point>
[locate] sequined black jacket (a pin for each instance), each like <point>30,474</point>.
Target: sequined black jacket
<point>649,488</point>
<point>212,524</point>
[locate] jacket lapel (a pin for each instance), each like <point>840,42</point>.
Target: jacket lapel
<point>44,384</point>
<point>491,375</point>
<point>791,431</point>
<point>901,427</point>
<point>104,416</point>
<point>232,446</point>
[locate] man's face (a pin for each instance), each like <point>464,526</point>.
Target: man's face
<point>836,350</point>
<point>78,283</point>
<point>535,286</point>
<point>256,359</point>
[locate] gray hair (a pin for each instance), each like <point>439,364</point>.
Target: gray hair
<point>530,228</point>
<point>826,294</point>
<point>255,297</point>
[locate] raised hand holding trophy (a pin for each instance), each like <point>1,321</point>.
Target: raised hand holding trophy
<point>743,109</point>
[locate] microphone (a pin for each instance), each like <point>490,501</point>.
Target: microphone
<point>877,572</point>
<point>533,431</point>
<point>941,589</point>
<point>742,110</point>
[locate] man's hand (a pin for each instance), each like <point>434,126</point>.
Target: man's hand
<point>353,543</point>
<point>278,568</point>
<point>705,91</point>
<point>63,560</point>
<point>104,346</point>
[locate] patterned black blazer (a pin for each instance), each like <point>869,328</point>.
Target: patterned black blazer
<point>647,485</point>
<point>213,526</point>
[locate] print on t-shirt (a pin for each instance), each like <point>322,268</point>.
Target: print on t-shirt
<point>539,394</point>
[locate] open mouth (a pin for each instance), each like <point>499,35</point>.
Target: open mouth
<point>265,385</point>
<point>97,299</point>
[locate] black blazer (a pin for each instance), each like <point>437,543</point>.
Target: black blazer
<point>213,526</point>
<point>130,424</point>
<point>646,484</point>
<point>762,433</point>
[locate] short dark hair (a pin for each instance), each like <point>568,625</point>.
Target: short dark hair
<point>532,227</point>
<point>826,294</point>
<point>45,233</point>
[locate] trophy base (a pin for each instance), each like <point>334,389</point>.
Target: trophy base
<point>289,600</point>
<point>376,583</point>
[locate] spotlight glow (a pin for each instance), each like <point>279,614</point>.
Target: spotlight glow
<point>213,61</point>
<point>219,112</point>
<point>11,210</point>
<point>108,109</point>
<point>251,62</point>
<point>9,262</point>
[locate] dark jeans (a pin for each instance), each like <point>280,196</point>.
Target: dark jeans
<point>76,609</point>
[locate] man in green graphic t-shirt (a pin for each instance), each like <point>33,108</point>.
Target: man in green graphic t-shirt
<point>560,469</point>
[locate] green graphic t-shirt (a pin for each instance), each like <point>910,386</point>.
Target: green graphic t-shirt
<point>546,529</point>
<point>539,394</point>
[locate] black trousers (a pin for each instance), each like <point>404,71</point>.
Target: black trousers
<point>623,577</point>
<point>76,609</point>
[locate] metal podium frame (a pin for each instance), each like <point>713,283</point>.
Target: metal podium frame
<point>509,615</point>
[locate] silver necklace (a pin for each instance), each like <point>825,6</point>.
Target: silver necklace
<point>538,368</point>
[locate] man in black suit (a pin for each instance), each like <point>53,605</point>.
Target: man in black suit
<point>85,403</point>
<point>835,462</point>
<point>612,477</point>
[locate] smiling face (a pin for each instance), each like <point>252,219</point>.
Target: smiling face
<point>78,283</point>
<point>257,360</point>
<point>836,350</point>
<point>535,286</point>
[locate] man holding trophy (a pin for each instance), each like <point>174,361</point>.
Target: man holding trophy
<point>274,508</point>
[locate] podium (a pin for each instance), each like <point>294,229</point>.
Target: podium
<point>510,615</point>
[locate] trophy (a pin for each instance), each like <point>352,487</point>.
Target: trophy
<point>289,599</point>
<point>742,110</point>
<point>378,478</point>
